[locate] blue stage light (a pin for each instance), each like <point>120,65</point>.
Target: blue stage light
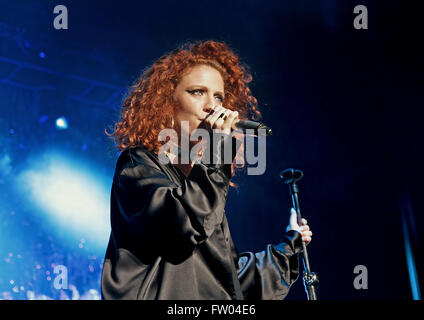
<point>61,123</point>
<point>73,198</point>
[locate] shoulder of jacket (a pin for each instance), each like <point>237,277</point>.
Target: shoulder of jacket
<point>134,157</point>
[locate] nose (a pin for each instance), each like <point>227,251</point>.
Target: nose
<point>208,107</point>
<point>209,104</point>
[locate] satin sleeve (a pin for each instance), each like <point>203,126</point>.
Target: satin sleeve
<point>269,274</point>
<point>156,215</point>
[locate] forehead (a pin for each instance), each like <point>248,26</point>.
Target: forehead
<point>203,75</point>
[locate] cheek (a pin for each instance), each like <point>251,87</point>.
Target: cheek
<point>190,105</point>
<point>187,110</point>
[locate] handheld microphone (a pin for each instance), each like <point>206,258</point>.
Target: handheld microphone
<point>248,124</point>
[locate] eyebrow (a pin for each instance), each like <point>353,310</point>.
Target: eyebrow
<point>203,87</point>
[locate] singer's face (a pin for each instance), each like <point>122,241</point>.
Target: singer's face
<point>198,90</point>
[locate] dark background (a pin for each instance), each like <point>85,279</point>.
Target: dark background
<point>344,105</point>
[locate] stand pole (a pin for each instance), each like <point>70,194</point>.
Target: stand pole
<point>310,279</point>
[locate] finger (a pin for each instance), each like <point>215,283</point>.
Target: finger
<point>293,217</point>
<point>227,113</point>
<point>293,221</point>
<point>306,233</point>
<point>210,121</point>
<point>304,221</point>
<point>228,119</point>
<point>234,118</point>
<point>219,122</point>
<point>224,115</point>
<point>307,239</point>
<point>231,116</point>
<point>304,228</point>
<point>218,117</point>
<point>209,114</point>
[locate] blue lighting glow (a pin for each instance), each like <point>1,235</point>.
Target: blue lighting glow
<point>71,196</point>
<point>43,118</point>
<point>413,276</point>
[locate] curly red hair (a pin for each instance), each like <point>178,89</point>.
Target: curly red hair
<point>149,106</point>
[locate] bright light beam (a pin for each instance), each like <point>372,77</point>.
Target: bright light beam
<point>72,197</point>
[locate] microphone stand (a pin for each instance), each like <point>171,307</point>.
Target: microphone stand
<point>310,279</point>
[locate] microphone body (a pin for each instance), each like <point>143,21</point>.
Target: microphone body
<point>248,124</point>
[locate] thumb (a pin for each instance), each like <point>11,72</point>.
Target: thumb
<point>293,220</point>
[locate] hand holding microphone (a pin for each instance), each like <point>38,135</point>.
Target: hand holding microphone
<point>222,119</point>
<point>227,120</point>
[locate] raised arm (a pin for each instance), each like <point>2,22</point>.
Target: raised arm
<point>158,216</point>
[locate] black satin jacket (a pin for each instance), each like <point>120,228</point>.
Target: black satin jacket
<point>170,238</point>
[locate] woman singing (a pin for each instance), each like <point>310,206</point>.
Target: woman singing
<point>170,237</point>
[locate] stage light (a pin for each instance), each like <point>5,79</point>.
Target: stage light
<point>61,123</point>
<point>73,198</point>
